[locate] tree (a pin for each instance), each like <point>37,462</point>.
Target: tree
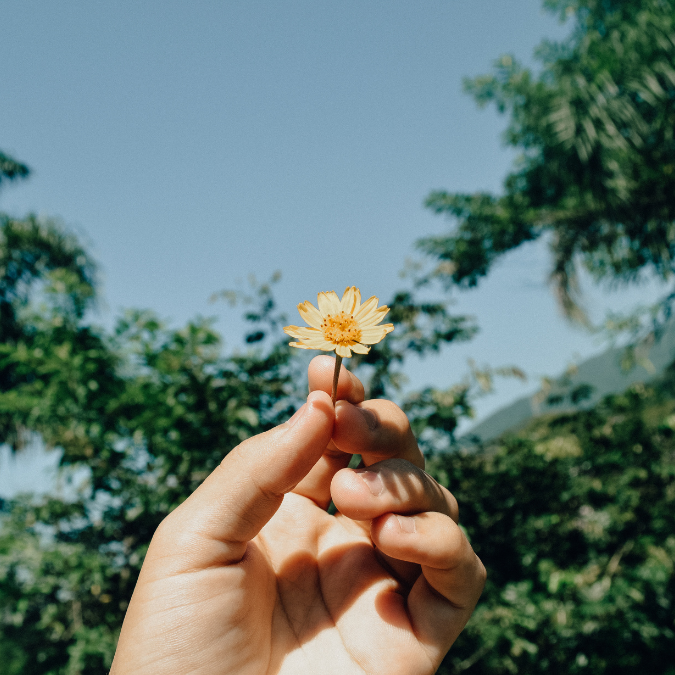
<point>597,171</point>
<point>141,416</point>
<point>10,169</point>
<point>573,518</point>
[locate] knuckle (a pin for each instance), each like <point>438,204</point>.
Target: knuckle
<point>399,420</point>
<point>358,390</point>
<point>236,450</point>
<point>390,415</point>
<point>451,502</point>
<point>166,528</point>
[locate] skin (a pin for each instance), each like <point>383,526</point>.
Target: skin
<point>252,575</point>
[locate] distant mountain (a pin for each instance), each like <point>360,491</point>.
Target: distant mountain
<point>584,386</point>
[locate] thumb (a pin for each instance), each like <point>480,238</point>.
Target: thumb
<point>233,504</point>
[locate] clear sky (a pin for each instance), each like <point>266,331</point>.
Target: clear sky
<point>191,144</point>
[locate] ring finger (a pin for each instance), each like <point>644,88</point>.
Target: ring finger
<point>391,488</point>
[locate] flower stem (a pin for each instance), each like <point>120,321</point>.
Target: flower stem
<point>336,376</point>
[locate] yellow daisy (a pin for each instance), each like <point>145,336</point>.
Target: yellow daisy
<point>343,325</point>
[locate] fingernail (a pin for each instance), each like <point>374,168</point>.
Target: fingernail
<point>406,524</point>
<point>370,417</point>
<point>374,482</point>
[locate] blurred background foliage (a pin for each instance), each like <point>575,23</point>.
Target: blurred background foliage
<point>596,175</point>
<point>573,515</point>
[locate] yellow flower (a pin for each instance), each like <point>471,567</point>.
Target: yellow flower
<point>343,325</point>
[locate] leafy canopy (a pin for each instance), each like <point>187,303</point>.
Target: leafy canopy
<point>140,416</point>
<point>574,519</point>
<point>596,173</point>
<point>573,516</point>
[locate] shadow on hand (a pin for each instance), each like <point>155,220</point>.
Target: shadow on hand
<point>316,592</point>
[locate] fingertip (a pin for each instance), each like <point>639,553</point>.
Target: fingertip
<point>320,372</point>
<point>355,429</point>
<point>354,417</point>
<point>355,493</point>
<point>347,487</point>
<point>377,430</point>
<point>428,538</point>
<point>320,363</point>
<point>317,414</point>
<point>320,401</point>
<point>389,527</point>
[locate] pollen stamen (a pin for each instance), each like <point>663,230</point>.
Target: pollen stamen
<point>341,329</point>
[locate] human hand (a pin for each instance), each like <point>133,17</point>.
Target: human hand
<point>252,575</point>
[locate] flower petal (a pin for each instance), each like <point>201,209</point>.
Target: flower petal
<point>374,317</point>
<point>324,346</point>
<point>310,314</point>
<point>299,345</point>
<point>343,350</point>
<point>366,308</point>
<point>357,304</point>
<point>371,336</point>
<point>303,345</point>
<point>350,300</point>
<point>329,303</point>
<point>302,332</point>
<point>366,317</point>
<point>318,343</point>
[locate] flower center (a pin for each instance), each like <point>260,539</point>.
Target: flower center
<point>341,329</point>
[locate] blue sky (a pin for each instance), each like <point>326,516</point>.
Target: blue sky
<point>191,144</point>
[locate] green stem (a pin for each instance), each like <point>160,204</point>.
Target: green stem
<point>336,376</point>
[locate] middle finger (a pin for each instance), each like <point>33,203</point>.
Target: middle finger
<point>394,486</point>
<point>391,486</point>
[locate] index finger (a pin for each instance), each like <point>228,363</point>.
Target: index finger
<point>216,522</point>
<point>377,430</point>
<point>320,376</point>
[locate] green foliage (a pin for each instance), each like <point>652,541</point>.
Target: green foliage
<point>144,416</point>
<point>422,328</point>
<point>574,518</point>
<point>140,417</point>
<point>10,169</point>
<point>46,285</point>
<point>597,170</point>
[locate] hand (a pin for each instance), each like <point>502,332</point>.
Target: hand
<point>252,575</point>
